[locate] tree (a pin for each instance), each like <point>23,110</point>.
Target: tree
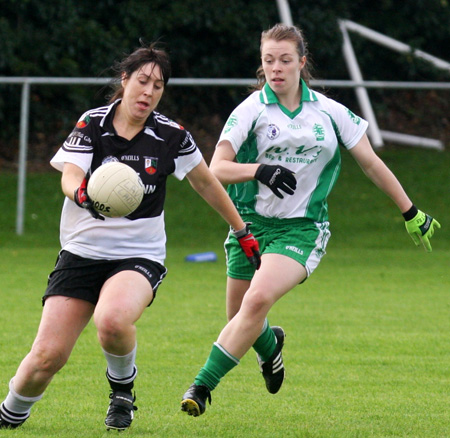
<point>205,39</point>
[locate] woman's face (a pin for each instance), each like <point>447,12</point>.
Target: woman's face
<point>142,92</point>
<point>282,65</point>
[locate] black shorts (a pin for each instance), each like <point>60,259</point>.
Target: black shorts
<point>77,277</point>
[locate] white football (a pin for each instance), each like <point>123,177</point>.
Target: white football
<point>115,189</point>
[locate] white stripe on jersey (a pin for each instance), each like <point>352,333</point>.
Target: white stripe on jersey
<point>187,151</point>
<point>166,121</point>
<point>97,113</point>
<point>150,132</point>
<point>73,145</point>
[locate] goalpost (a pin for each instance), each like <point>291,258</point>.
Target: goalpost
<point>375,133</point>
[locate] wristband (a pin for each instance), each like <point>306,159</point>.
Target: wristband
<point>408,215</point>
<point>241,233</point>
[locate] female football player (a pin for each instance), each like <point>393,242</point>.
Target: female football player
<point>110,268</point>
<point>279,153</point>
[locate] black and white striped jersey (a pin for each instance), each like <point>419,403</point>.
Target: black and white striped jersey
<point>162,148</point>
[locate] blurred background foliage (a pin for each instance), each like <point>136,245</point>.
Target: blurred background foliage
<point>217,39</point>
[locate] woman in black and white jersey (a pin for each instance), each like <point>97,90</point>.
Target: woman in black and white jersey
<point>110,268</point>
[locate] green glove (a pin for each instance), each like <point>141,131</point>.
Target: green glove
<point>420,227</point>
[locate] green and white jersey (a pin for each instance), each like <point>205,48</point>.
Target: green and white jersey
<point>305,141</point>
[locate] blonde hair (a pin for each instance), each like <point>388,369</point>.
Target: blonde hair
<point>282,32</point>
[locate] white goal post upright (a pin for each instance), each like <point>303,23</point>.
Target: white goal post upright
<point>394,44</point>
<point>361,92</point>
<point>376,135</point>
<point>285,12</point>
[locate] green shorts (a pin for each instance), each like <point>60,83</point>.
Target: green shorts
<point>300,239</point>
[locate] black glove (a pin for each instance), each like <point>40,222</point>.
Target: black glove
<point>277,178</point>
<point>82,199</point>
<point>249,245</point>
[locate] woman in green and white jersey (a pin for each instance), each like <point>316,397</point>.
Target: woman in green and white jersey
<point>279,154</point>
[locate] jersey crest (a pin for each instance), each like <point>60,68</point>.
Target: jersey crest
<point>84,122</point>
<point>151,164</point>
<point>273,131</point>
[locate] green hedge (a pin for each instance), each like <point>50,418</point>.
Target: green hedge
<point>205,39</point>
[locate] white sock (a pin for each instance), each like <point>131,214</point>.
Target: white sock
<point>121,369</point>
<point>19,404</point>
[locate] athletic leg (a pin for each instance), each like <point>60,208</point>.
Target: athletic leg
<point>123,299</point>
<point>236,290</point>
<point>278,275</point>
<point>62,321</point>
<point>266,342</point>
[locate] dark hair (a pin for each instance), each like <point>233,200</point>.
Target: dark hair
<point>282,32</point>
<point>133,62</point>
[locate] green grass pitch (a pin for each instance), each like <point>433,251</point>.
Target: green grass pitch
<point>367,352</point>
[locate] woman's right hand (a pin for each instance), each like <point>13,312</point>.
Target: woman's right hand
<point>277,178</point>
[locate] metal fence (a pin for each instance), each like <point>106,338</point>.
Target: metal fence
<point>357,83</point>
<point>27,82</point>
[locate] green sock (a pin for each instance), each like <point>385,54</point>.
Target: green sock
<point>266,342</point>
<point>219,363</point>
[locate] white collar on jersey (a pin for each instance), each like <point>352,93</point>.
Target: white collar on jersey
<point>267,95</point>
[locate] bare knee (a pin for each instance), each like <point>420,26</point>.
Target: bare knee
<point>257,302</point>
<point>47,359</point>
<point>112,328</point>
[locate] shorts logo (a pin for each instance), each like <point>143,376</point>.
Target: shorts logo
<point>295,249</point>
<point>144,270</point>
<point>151,164</point>
<point>320,252</point>
<point>273,131</point>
